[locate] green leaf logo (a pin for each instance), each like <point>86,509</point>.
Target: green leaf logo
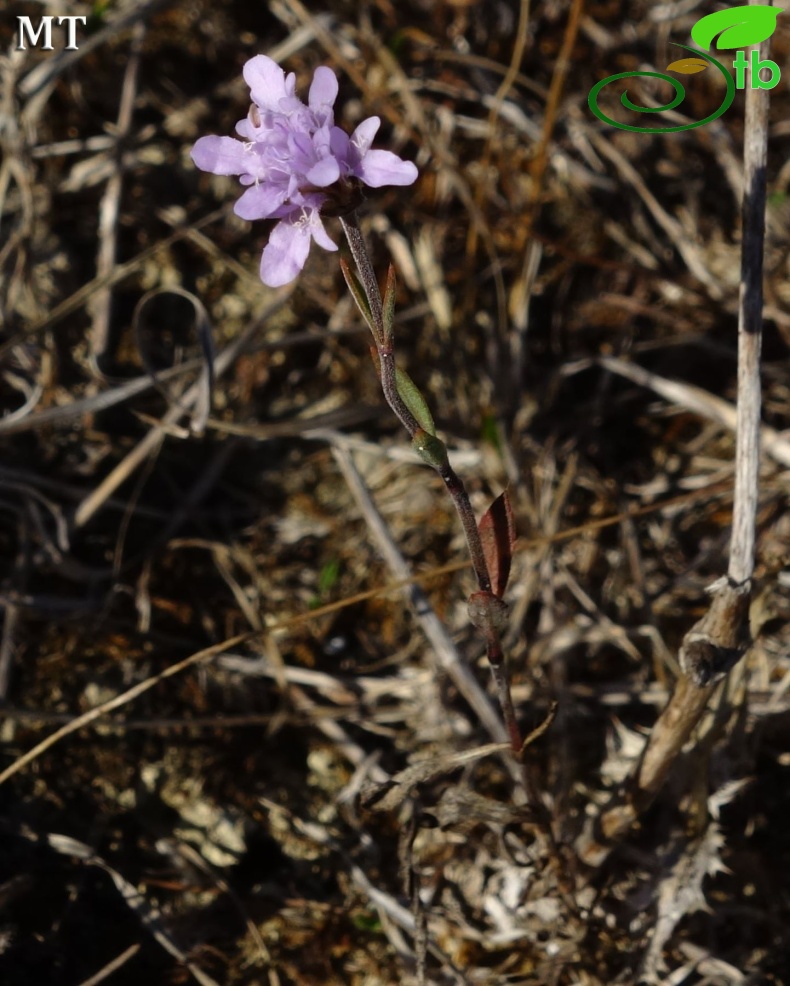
<point>738,27</point>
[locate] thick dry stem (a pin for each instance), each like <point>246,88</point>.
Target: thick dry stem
<point>720,639</point>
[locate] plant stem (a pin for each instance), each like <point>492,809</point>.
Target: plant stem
<point>750,326</point>
<point>370,285</point>
<point>460,498</point>
<point>359,252</point>
<point>382,336</point>
<point>452,481</point>
<point>497,661</point>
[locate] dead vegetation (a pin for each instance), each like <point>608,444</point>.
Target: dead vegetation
<point>246,724</point>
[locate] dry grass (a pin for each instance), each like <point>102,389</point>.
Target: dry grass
<point>229,631</point>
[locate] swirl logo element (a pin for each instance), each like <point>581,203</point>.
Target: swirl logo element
<point>680,95</point>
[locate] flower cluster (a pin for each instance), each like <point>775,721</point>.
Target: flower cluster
<point>295,161</point>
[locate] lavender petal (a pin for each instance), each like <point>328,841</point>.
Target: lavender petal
<point>221,155</point>
<point>379,168</point>
<point>285,253</point>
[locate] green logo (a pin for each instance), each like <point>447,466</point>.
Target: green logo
<point>737,27</point>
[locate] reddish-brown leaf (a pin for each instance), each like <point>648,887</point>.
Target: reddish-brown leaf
<point>498,534</point>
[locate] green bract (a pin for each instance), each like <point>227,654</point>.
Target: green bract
<point>430,449</point>
<point>414,400</point>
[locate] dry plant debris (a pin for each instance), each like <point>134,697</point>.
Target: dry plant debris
<point>248,733</point>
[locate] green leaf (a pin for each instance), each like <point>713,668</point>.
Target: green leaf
<point>359,296</point>
<point>414,400</point>
<point>328,576</point>
<point>388,315</point>
<point>367,921</point>
<point>430,449</point>
<point>489,432</point>
<point>738,27</point>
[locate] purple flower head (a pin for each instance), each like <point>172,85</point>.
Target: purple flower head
<point>295,161</point>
